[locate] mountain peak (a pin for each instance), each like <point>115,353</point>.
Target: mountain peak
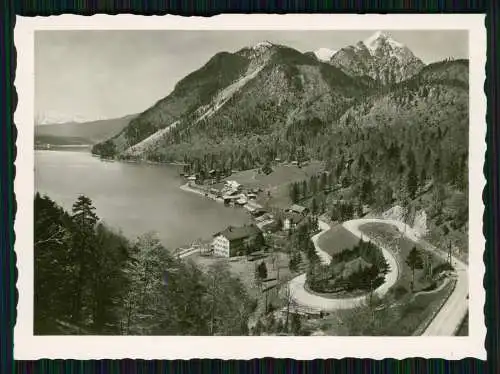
<point>324,54</point>
<point>258,53</point>
<point>377,35</point>
<point>380,38</point>
<point>379,57</point>
<point>262,45</point>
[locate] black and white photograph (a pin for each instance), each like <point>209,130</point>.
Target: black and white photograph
<point>260,183</point>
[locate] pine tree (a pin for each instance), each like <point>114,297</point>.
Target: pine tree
<point>109,284</point>
<point>294,192</point>
<point>414,261</point>
<point>296,324</point>
<point>340,168</point>
<point>436,170</point>
<point>295,259</point>
<point>150,270</point>
<point>53,290</point>
<point>314,206</point>
<point>412,182</point>
<point>323,181</point>
<point>305,191</point>
<point>83,255</point>
<point>423,177</point>
<point>367,191</point>
<point>335,213</point>
<point>262,271</point>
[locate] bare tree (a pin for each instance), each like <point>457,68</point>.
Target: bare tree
<point>57,236</point>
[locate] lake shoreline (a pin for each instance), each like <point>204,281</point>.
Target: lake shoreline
<point>140,162</point>
<point>187,188</point>
<point>133,199</point>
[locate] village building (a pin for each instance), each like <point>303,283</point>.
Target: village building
<point>252,205</point>
<point>258,212</point>
<point>231,193</point>
<point>234,241</point>
<point>241,201</point>
<point>299,209</point>
<point>233,185</point>
<point>291,220</point>
<point>230,199</point>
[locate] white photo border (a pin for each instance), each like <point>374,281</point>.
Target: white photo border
<point>27,346</point>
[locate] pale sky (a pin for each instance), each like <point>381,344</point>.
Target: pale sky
<point>88,75</point>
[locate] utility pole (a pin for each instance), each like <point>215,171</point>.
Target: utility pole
<point>429,264</point>
<point>431,270</point>
<point>212,321</point>
<point>266,300</point>
<point>449,253</point>
<point>371,291</point>
<point>371,300</point>
<point>288,301</point>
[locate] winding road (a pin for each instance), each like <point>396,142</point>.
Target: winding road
<point>446,321</point>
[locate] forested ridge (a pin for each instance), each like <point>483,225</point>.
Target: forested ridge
<point>89,279</point>
<point>402,143</point>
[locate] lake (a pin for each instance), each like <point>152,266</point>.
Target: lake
<point>134,198</point>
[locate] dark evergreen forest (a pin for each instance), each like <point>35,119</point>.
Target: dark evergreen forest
<point>90,279</point>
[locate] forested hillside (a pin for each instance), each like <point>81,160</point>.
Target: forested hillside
<point>406,146</point>
<point>91,280</point>
<point>195,90</point>
<point>396,141</point>
<point>279,89</point>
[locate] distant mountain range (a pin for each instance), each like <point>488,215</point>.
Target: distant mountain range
<point>79,133</point>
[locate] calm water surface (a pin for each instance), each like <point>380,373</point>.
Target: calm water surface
<point>133,198</point>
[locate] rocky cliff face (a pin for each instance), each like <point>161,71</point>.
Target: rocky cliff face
<point>379,57</point>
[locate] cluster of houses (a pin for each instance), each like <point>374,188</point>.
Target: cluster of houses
<point>234,241</point>
<point>294,216</point>
<point>231,193</point>
<point>234,194</point>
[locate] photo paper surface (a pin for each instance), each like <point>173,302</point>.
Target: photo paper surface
<point>245,186</point>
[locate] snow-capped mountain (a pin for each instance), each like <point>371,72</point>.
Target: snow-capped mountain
<point>376,42</point>
<point>52,117</point>
<point>324,54</point>
<point>379,57</point>
<point>262,45</point>
<point>259,49</point>
<point>269,91</point>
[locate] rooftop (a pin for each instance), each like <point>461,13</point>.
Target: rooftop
<point>294,217</point>
<point>242,232</point>
<point>297,208</point>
